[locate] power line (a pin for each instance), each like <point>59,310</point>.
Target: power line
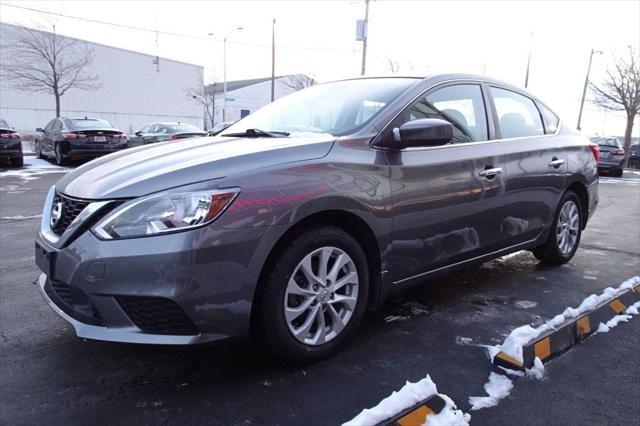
<point>168,33</point>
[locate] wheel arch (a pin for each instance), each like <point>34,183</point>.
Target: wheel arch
<point>580,189</point>
<point>348,222</point>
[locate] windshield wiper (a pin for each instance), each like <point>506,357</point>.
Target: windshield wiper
<point>257,133</point>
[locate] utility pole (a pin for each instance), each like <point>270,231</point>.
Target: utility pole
<point>365,30</point>
<point>586,83</point>
<point>273,59</point>
<point>526,78</point>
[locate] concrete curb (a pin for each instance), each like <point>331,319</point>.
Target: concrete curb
<point>557,341</point>
<point>416,415</point>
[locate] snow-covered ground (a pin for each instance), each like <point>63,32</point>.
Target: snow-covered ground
<point>32,168</point>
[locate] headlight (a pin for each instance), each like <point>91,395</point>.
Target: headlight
<point>164,213</point>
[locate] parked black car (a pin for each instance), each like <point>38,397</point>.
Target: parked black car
<point>10,144</point>
<point>79,138</point>
<point>160,132</point>
<point>634,156</point>
<point>611,155</point>
<point>218,128</point>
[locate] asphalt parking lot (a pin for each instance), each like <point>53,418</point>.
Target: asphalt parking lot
<point>49,375</point>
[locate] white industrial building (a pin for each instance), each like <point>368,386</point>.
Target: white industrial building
<point>136,89</point>
<point>246,96</point>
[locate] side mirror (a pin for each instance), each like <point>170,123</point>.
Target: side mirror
<point>138,133</point>
<point>40,129</point>
<point>423,132</point>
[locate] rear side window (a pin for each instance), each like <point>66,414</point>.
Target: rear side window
<point>517,114</point>
<point>550,120</point>
<point>462,105</point>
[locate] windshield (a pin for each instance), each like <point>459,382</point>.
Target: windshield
<point>336,108</point>
<point>92,124</point>
<point>182,128</point>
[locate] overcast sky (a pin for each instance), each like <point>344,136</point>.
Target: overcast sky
<point>420,37</point>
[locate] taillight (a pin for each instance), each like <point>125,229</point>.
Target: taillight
<point>595,150</point>
<point>121,136</point>
<point>13,135</point>
<point>74,135</point>
<point>618,152</point>
<point>174,137</point>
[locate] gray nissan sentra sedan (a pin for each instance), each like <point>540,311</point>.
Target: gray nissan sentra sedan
<point>300,217</point>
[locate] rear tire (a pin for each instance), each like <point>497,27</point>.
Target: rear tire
<point>17,162</point>
<point>565,232</point>
<point>329,313</point>
<point>618,173</point>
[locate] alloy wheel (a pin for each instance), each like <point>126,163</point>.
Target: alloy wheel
<point>568,227</point>
<point>321,295</point>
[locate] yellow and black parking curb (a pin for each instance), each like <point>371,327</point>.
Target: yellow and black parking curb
<point>569,333</point>
<point>416,415</point>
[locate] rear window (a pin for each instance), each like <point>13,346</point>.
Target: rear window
<point>90,124</point>
<point>182,128</point>
<point>4,124</point>
<point>550,120</point>
<point>614,142</point>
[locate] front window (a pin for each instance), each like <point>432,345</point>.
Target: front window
<point>462,105</point>
<point>337,108</point>
<point>90,124</point>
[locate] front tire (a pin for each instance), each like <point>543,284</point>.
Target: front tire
<point>60,160</point>
<point>565,233</point>
<point>315,295</point>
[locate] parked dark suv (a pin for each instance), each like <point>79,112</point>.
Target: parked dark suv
<point>295,220</point>
<point>67,139</point>
<point>10,144</point>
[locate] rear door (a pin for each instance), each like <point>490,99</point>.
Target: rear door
<point>446,199</point>
<point>535,164</point>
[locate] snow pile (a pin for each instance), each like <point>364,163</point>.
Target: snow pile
<point>498,387</point>
<point>519,337</point>
<point>631,310</point>
<point>537,371</point>
<point>408,396</point>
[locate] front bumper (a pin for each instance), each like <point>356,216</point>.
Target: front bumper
<point>200,283</point>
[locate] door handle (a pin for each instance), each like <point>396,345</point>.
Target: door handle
<point>489,173</point>
<point>556,162</point>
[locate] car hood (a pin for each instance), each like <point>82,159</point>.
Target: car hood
<point>151,168</point>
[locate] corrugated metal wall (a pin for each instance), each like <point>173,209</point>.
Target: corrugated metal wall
<point>132,93</point>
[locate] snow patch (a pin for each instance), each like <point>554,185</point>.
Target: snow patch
<point>525,304</point>
<point>460,340</point>
<point>628,313</point>
<point>35,216</point>
<point>408,396</point>
<point>497,388</point>
<point>537,371</point>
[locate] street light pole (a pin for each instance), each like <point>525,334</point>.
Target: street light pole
<point>273,59</point>
<point>526,78</point>
<point>586,83</point>
<point>224,70</point>
<point>364,37</point>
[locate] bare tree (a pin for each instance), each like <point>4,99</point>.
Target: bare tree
<point>392,65</point>
<point>298,81</point>
<point>204,95</point>
<point>42,61</point>
<point>620,91</point>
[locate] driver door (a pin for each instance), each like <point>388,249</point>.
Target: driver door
<point>446,199</point>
